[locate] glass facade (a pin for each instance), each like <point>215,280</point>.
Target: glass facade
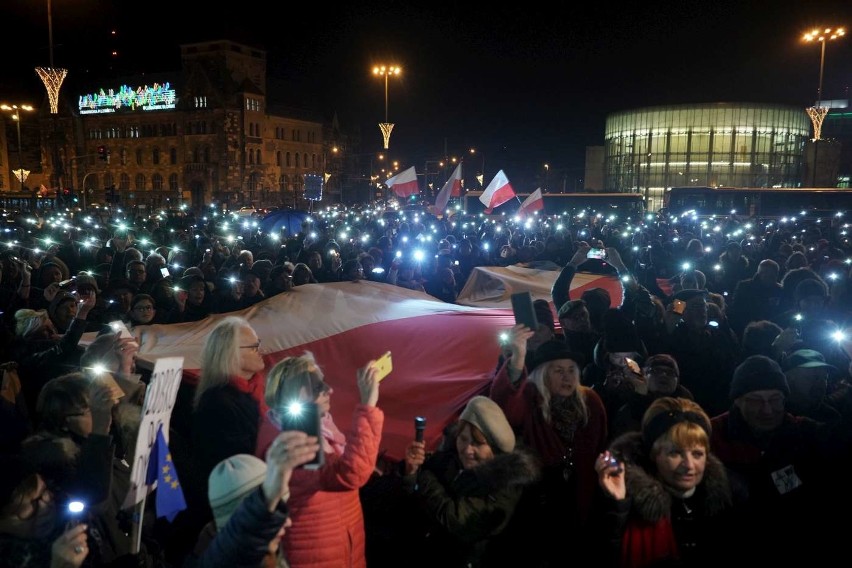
<point>719,144</point>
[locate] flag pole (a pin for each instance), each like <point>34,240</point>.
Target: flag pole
<point>138,521</point>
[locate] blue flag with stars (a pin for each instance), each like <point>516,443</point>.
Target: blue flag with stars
<point>170,500</point>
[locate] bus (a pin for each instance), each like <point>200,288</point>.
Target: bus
<point>622,204</point>
<point>764,202</point>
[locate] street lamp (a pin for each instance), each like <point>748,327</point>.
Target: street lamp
<point>16,116</point>
<point>473,151</point>
<point>818,113</point>
<point>386,71</point>
<point>546,176</point>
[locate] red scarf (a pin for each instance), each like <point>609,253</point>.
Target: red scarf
<point>255,387</point>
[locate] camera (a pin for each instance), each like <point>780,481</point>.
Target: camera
<point>303,416</point>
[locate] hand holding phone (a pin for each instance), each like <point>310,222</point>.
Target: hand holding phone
<point>383,365</point>
<point>678,307</point>
<point>303,416</point>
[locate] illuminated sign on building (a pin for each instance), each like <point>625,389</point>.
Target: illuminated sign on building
<point>156,97</point>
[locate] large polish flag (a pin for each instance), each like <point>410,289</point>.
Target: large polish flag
<point>404,183</point>
<point>451,189</point>
<point>498,192</point>
<point>443,354</point>
<point>533,202</point>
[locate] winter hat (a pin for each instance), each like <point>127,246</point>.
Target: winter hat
<point>690,293</point>
<point>758,372</point>
<point>810,287</point>
<point>230,481</point>
<point>488,417</point>
<point>554,350</point>
<point>84,278</point>
<point>806,359</point>
<point>60,298</point>
<point>569,307</point>
<point>597,300</point>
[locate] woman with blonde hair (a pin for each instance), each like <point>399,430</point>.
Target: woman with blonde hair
<point>666,496</point>
<point>564,422</point>
<point>325,503</point>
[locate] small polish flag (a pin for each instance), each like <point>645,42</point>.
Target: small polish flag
<point>451,189</point>
<point>534,202</point>
<point>498,192</point>
<point>404,183</point>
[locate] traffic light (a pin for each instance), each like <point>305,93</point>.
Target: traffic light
<point>103,154</point>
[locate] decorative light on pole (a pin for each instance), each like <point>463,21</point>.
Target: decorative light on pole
<point>546,177</point>
<point>481,177</point>
<point>386,71</point>
<point>818,112</point>
<point>20,173</point>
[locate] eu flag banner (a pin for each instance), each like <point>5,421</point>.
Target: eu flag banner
<point>170,500</point>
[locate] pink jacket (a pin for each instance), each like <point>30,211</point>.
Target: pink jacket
<point>325,506</point>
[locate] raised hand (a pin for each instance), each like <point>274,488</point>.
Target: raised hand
<point>288,451</point>
<point>70,549</point>
<point>368,384</point>
<point>611,476</point>
<point>415,455</point>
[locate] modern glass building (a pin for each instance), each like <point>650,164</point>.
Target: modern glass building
<point>715,144</point>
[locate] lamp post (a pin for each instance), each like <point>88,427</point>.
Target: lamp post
<point>16,116</point>
<point>386,71</point>
<point>818,112</point>
<point>546,177</point>
<point>473,151</point>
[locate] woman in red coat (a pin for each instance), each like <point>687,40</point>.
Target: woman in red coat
<point>325,504</point>
<point>564,422</point>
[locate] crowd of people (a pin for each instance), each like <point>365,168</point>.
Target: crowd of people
<point>704,416</point>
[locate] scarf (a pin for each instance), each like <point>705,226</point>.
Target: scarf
<point>565,418</point>
<point>333,440</point>
<point>253,386</point>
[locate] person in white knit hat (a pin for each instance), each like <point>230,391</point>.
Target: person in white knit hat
<point>249,501</point>
<point>469,489</point>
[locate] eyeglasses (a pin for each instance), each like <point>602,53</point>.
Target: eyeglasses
<point>254,346</point>
<point>319,387</point>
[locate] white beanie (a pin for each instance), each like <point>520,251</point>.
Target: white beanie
<point>230,481</point>
<point>487,415</point>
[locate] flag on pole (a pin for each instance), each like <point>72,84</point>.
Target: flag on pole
<point>498,192</point>
<point>534,202</point>
<point>170,500</point>
<point>451,189</point>
<point>404,183</point>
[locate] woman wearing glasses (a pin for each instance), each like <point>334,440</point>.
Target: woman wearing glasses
<point>325,504</point>
<point>228,401</point>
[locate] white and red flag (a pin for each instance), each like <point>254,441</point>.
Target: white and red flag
<point>451,189</point>
<point>533,202</point>
<point>404,183</point>
<point>345,325</point>
<point>498,192</point>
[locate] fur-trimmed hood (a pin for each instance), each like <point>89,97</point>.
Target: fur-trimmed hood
<point>651,500</point>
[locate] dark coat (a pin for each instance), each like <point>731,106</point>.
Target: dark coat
<point>224,423</point>
<point>244,540</point>
<point>467,512</point>
<point>753,301</point>
<point>652,526</point>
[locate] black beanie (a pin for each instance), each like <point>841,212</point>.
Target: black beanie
<point>758,372</point>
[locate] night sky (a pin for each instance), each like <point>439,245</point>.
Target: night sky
<point>527,85</point>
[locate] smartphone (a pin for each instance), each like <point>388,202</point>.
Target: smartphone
<point>121,328</point>
<point>304,416</point>
<point>75,512</point>
<point>165,272</point>
<point>596,253</point>
<point>522,307</point>
<point>678,306</point>
<point>384,365</point>
<point>65,283</point>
